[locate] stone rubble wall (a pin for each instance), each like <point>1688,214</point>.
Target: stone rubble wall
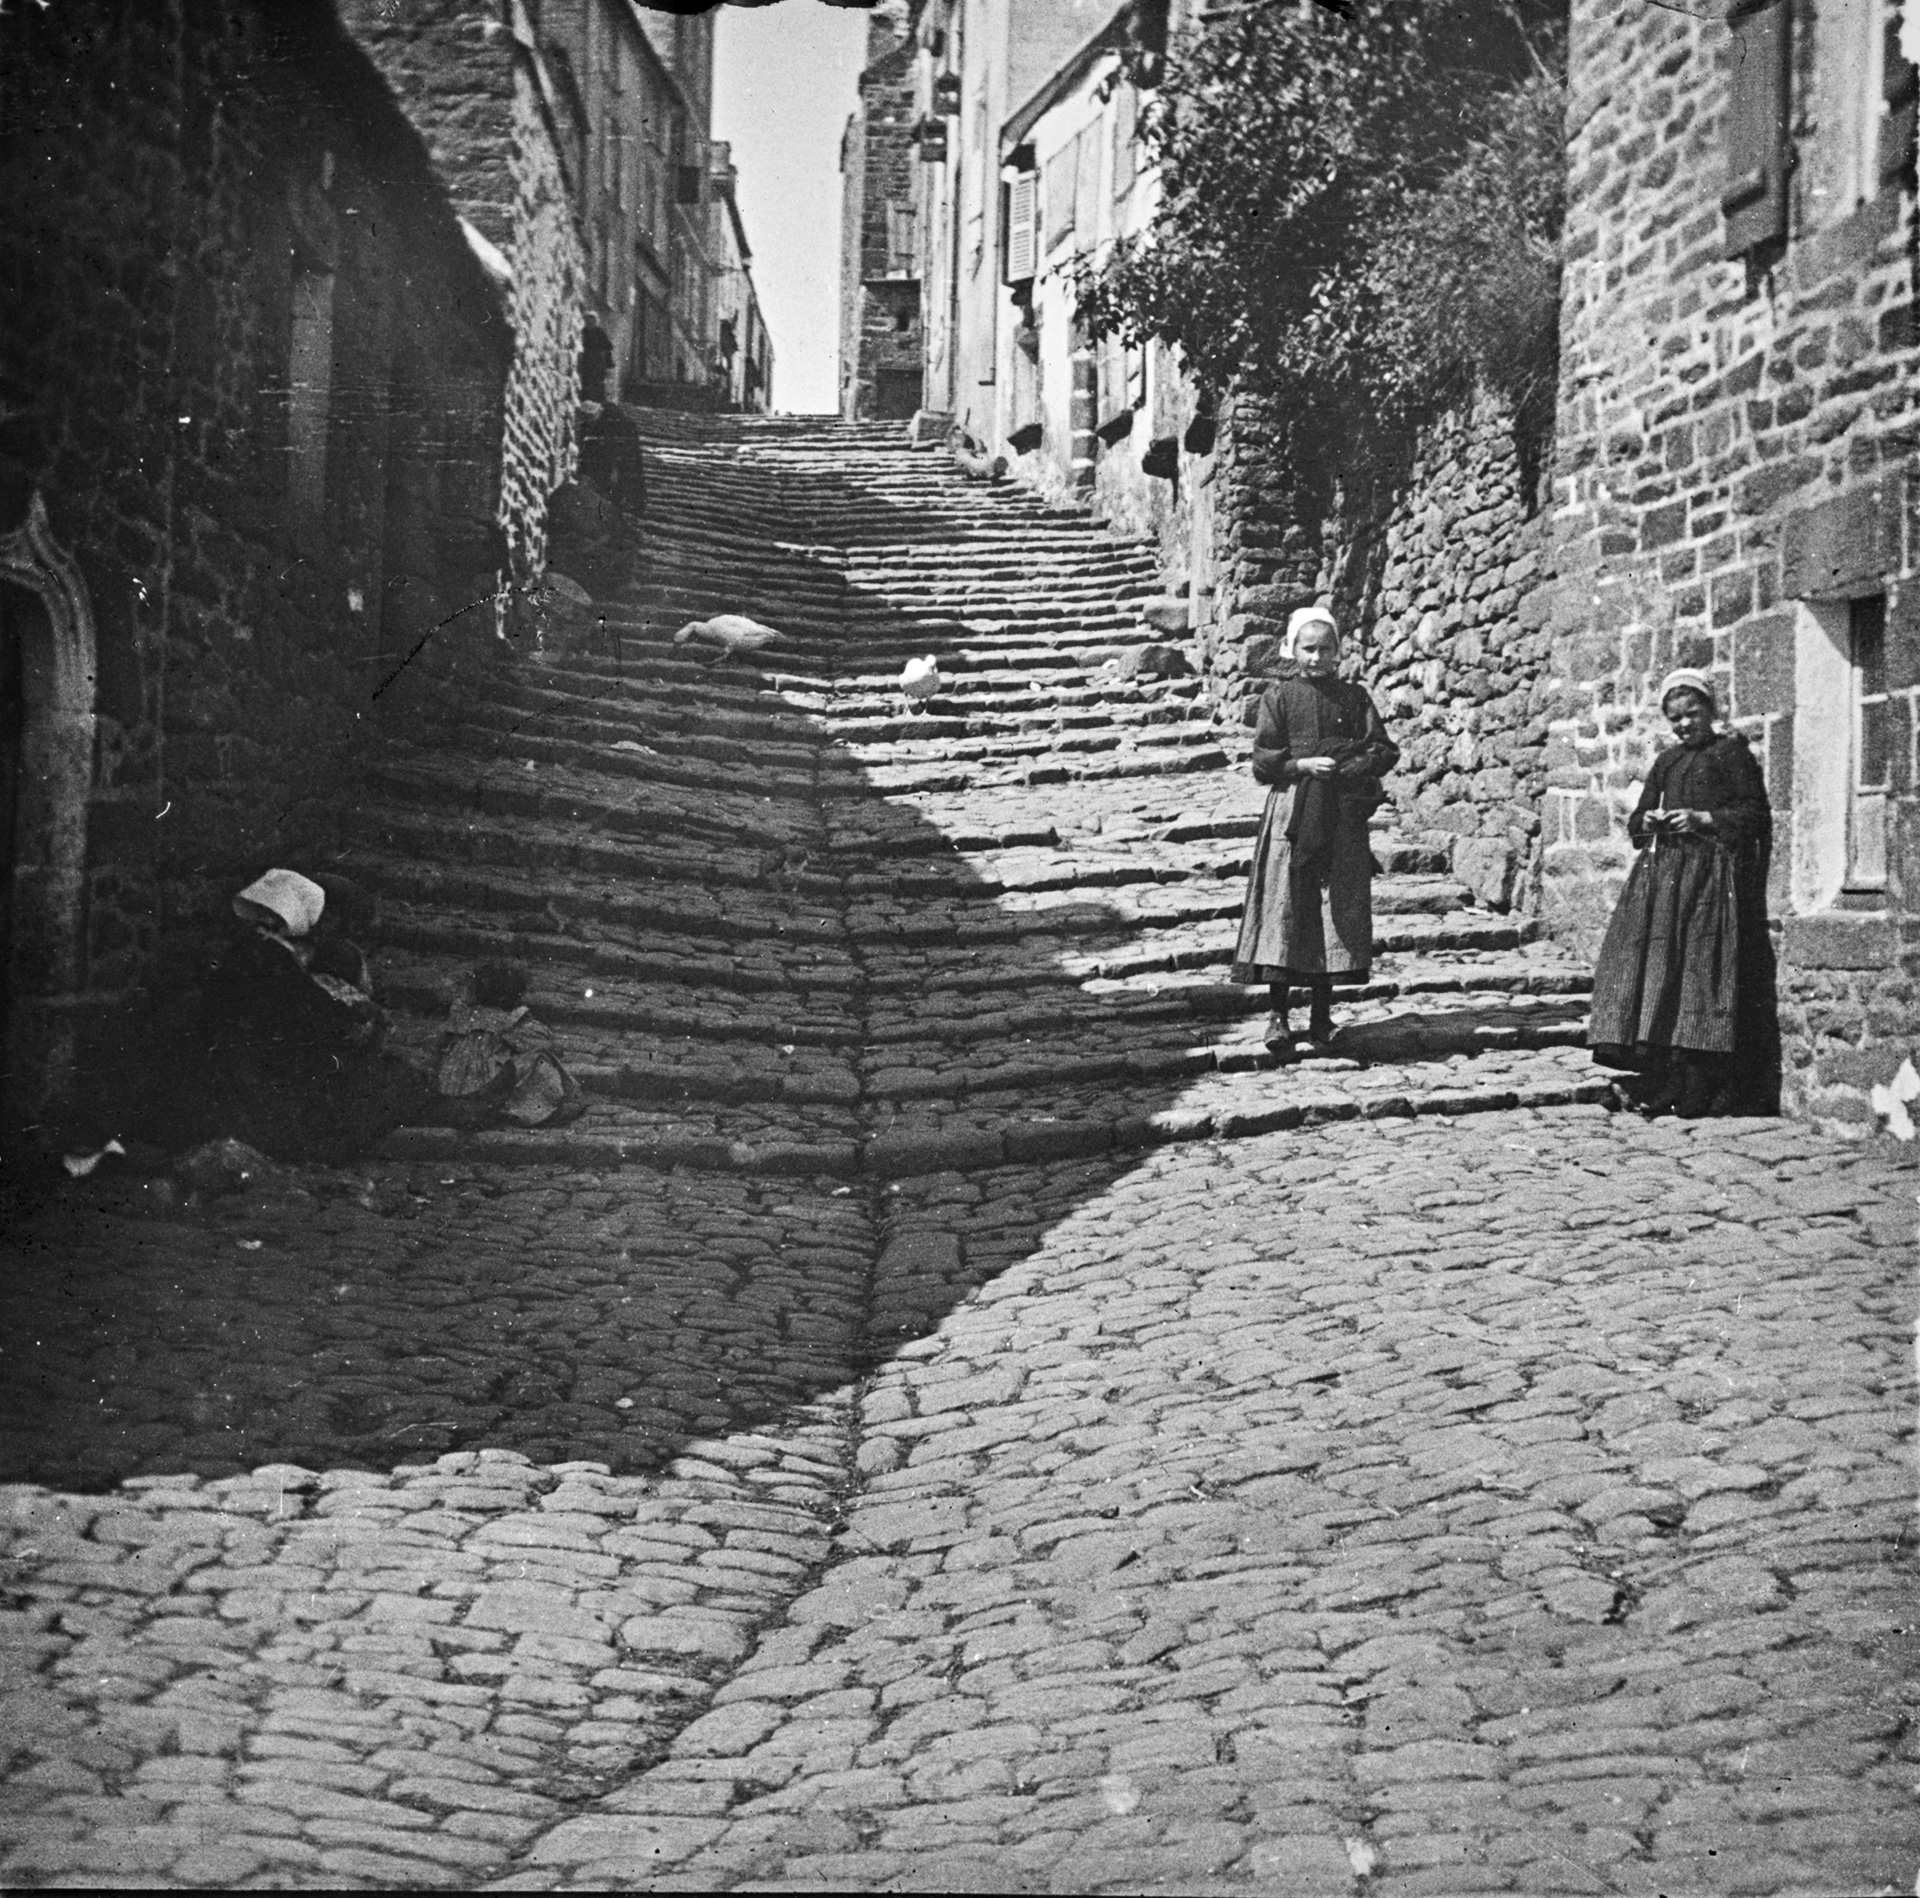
<point>540,449</point>
<point>1738,438</point>
<point>1429,565</point>
<point>244,658</point>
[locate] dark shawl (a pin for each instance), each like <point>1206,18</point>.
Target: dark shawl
<point>1644,973</point>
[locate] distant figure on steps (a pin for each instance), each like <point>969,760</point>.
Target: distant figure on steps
<point>1308,920</point>
<point>919,681</point>
<point>732,635</point>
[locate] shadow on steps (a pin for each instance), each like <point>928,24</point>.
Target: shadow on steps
<point>829,1101</point>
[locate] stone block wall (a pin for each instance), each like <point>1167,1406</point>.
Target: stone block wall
<point>490,118</point>
<point>1736,464</point>
<point>1430,558</point>
<point>252,367</point>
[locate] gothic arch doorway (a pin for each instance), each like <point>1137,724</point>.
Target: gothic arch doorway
<point>46,777</point>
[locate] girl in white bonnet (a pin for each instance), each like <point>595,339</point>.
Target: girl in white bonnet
<point>1321,745</point>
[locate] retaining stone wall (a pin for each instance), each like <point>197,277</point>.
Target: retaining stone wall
<point>1737,438</point>
<point>162,166</point>
<point>1428,563</point>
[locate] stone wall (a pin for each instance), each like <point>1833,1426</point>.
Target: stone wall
<point>882,344</point>
<point>1736,468</point>
<point>1430,559</point>
<point>540,449</point>
<point>486,110</point>
<point>251,365</point>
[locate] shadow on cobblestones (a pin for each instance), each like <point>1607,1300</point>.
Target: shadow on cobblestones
<point>593,1308</point>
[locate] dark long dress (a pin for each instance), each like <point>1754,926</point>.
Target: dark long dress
<point>1309,909</point>
<point>1687,963</point>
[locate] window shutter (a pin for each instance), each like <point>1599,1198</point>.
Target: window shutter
<point>1086,196</point>
<point>1060,186</point>
<point>1023,209</point>
<point>1755,197</point>
<point>1897,127</point>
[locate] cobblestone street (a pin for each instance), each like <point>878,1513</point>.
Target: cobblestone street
<point>954,1414</point>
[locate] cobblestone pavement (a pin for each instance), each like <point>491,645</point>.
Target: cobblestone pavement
<point>953,1416</point>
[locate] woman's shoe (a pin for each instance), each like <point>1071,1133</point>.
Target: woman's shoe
<point>1279,1039</point>
<point>1697,1095</point>
<point>1663,1100</point>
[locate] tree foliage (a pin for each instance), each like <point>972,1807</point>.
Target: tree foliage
<point>1360,204</point>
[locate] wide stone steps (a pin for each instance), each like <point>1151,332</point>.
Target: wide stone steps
<point>777,922</point>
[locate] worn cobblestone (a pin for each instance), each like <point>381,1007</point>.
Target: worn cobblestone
<point>1019,1468</point>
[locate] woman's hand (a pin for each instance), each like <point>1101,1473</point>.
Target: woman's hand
<point>1695,822</point>
<point>1314,767</point>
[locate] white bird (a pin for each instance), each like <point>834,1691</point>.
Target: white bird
<point>733,634</point>
<point>1891,1101</point>
<point>919,681</point>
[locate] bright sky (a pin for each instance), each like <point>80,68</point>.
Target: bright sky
<point>782,89</point>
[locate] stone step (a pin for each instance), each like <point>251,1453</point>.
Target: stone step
<point>780,924</point>
<point>1028,1127</point>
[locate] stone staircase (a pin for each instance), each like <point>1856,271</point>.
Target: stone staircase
<point>782,924</point>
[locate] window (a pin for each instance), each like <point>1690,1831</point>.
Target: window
<point>1086,208</point>
<point>901,231</point>
<point>1843,743</point>
<point>1849,103</point>
<point>1126,107</point>
<point>1872,747</point>
<point>1022,213</point>
<point>1062,184</point>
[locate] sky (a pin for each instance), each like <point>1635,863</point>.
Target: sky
<point>784,79</point>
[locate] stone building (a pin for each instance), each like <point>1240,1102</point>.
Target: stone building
<point>1738,479</point>
<point>498,127</point>
<point>576,136</point>
<point>743,351</point>
<point>1096,421</point>
<point>254,380</point>
<point>882,364</point>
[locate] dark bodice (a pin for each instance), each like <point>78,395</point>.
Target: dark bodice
<point>1723,777</point>
<point>1308,718</point>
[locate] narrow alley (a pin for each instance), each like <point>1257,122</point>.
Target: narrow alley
<point>953,1414</point>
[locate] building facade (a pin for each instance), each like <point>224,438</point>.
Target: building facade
<point>743,351</point>
<point>255,388</point>
<point>598,114</point>
<point>1738,476</point>
<point>882,358</point>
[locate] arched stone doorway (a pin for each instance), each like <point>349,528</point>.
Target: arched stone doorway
<point>47,676</point>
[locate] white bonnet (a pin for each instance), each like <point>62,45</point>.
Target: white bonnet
<point>1300,619</point>
<point>284,898</point>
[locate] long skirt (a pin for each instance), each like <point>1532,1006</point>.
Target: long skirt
<point>1668,971</point>
<point>1307,923</point>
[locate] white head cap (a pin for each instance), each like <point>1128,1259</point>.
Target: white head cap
<point>1300,620</point>
<point>282,899</point>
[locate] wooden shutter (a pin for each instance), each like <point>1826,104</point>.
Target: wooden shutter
<point>1086,199</point>
<point>1898,77</point>
<point>1060,188</point>
<point>1023,214</point>
<point>1755,198</point>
